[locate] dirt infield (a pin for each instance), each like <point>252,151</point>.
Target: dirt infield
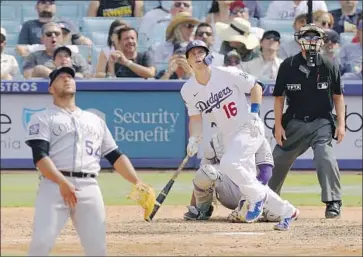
<point>168,234</point>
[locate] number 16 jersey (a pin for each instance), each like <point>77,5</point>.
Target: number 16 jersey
<point>223,98</point>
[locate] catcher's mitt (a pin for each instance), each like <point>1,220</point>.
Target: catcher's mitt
<point>144,195</point>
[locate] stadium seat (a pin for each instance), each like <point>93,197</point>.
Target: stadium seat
<point>12,38</point>
<point>332,5</point>
<point>149,5</point>
<point>10,12</point>
<point>85,52</point>
<point>11,26</point>
<point>279,25</point>
<point>99,38</point>
<point>286,36</point>
<point>101,24</point>
<point>346,38</point>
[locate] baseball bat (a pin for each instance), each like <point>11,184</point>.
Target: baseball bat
<point>164,193</point>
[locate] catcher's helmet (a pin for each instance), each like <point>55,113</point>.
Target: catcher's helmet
<point>199,43</point>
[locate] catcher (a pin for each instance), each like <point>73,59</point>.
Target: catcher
<point>209,182</point>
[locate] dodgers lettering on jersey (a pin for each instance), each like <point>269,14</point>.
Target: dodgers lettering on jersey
<point>223,98</point>
<point>77,140</point>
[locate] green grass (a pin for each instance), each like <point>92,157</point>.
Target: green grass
<point>19,190</point>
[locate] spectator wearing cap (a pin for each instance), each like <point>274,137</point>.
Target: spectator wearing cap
<point>291,9</point>
<point>158,18</point>
<point>205,33</point>
<point>40,63</point>
<point>105,53</point>
<point>351,54</point>
<point>323,19</point>
<point>238,36</point>
<point>63,57</point>
<point>111,8</point>
<point>266,66</point>
<point>291,47</point>
<point>127,62</point>
<point>9,65</point>
<point>178,67</point>
<point>331,46</point>
<point>178,33</point>
<point>345,18</point>
<point>30,33</point>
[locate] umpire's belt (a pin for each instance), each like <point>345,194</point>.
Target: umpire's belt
<point>78,174</point>
<point>305,118</point>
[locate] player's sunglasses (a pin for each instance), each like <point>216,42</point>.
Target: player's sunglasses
<point>189,26</point>
<point>237,11</point>
<point>201,33</point>
<point>51,33</point>
<point>181,4</point>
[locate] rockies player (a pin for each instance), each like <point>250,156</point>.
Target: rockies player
<point>209,180</point>
<point>67,144</point>
<point>222,94</point>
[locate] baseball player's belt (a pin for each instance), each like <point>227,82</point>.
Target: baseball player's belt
<point>78,174</point>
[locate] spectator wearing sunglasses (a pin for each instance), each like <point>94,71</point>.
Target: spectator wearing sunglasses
<point>179,32</point>
<point>266,66</point>
<point>40,63</point>
<point>30,33</point>
<point>157,19</point>
<point>323,19</point>
<point>205,33</point>
<point>112,39</point>
<point>331,46</point>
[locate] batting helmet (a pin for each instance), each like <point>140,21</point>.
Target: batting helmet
<point>199,43</point>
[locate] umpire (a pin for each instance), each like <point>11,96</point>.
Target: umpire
<point>312,86</point>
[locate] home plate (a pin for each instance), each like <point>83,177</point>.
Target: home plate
<point>238,233</point>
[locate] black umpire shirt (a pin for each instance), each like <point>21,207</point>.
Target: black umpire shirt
<point>309,91</point>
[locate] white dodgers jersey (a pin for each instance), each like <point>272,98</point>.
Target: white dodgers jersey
<point>224,97</point>
<point>77,140</point>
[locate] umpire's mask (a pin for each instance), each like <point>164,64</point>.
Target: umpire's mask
<point>311,39</point>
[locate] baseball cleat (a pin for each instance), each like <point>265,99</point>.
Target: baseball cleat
<point>284,224</point>
<point>195,214</point>
<point>332,210</point>
<point>254,211</point>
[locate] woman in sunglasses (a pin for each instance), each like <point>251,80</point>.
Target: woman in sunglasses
<point>323,19</point>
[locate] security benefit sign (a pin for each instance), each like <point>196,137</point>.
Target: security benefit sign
<point>350,148</point>
<point>15,112</point>
<point>144,124</point>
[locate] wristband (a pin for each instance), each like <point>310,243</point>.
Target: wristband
<point>255,108</point>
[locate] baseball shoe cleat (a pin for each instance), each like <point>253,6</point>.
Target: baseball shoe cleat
<point>237,215</point>
<point>285,223</point>
<point>195,214</point>
<point>332,210</point>
<point>254,211</point>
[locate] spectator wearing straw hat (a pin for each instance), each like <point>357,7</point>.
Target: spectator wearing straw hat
<point>178,33</point>
<point>237,35</point>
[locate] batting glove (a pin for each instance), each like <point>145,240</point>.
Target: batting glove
<point>255,126</point>
<point>192,147</point>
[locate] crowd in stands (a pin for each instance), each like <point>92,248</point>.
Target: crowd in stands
<point>147,39</point>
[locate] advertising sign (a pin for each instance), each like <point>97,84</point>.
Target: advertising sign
<point>144,124</point>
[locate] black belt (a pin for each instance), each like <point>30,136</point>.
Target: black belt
<point>78,174</point>
<point>305,118</point>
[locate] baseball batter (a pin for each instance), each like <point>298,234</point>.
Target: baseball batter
<point>209,182</point>
<point>67,144</point>
<point>222,94</point>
